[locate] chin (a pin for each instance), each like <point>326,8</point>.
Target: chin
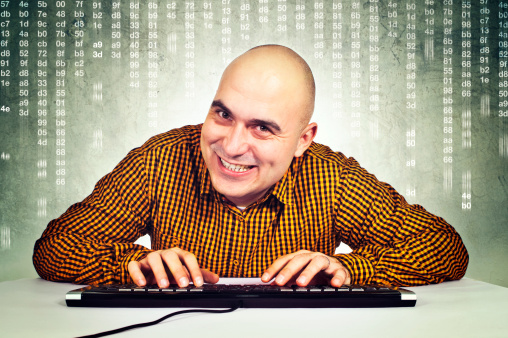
<point>232,190</point>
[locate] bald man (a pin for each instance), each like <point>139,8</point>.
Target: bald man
<point>248,193</point>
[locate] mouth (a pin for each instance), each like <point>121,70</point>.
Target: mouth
<point>235,167</point>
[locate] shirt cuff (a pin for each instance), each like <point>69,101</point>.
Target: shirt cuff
<point>360,268</point>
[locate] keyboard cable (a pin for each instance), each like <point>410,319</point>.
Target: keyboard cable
<point>125,328</point>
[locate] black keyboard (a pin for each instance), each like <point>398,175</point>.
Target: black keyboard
<point>248,296</point>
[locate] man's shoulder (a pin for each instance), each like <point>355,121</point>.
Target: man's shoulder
<point>187,136</point>
<point>325,155</point>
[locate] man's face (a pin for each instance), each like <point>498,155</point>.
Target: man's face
<point>250,136</point>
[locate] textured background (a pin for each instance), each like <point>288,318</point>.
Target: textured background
<point>414,90</point>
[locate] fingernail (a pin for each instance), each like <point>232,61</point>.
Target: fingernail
<point>198,281</point>
<point>301,280</point>
<point>184,281</point>
<point>141,282</point>
<point>265,277</point>
<point>280,279</point>
<point>164,282</point>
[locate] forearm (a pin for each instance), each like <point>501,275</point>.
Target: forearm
<point>83,260</point>
<point>430,257</point>
<point>92,241</point>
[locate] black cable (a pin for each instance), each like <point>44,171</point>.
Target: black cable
<point>125,328</point>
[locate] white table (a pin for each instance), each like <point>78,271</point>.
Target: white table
<point>465,308</point>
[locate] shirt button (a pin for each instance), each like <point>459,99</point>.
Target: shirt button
<point>235,262</point>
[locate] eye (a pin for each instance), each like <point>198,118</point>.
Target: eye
<point>264,129</point>
<point>223,114</point>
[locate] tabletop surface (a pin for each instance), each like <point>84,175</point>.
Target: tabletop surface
<point>465,308</point>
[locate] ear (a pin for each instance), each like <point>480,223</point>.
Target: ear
<point>306,138</point>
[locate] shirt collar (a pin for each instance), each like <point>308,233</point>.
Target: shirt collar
<point>204,176</point>
<point>283,190</point>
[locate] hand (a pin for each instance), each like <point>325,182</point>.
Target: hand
<point>178,264</point>
<point>307,267</point>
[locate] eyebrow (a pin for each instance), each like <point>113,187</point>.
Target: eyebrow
<point>269,123</point>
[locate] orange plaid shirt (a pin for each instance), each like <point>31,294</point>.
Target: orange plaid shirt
<point>163,189</point>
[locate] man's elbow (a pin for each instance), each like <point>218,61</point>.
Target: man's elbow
<point>45,264</point>
<point>458,259</point>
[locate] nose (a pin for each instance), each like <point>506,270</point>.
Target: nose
<point>236,142</point>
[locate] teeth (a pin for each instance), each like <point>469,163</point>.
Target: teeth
<point>235,167</point>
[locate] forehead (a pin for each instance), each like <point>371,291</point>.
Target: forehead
<point>261,97</point>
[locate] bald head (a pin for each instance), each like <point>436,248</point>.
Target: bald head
<point>258,122</point>
<point>280,73</point>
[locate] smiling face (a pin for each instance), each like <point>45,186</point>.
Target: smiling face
<point>256,124</point>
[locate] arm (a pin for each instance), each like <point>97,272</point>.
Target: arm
<point>92,242</point>
<point>393,242</point>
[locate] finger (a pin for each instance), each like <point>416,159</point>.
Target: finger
<point>292,268</point>
<point>340,277</point>
<point>158,269</point>
<point>172,260</point>
<point>315,266</point>
<point>192,266</point>
<point>134,268</point>
<point>140,272</point>
<point>209,277</point>
<point>172,280</point>
<point>276,266</point>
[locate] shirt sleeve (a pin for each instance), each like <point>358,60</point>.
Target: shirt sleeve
<point>92,242</point>
<point>393,242</point>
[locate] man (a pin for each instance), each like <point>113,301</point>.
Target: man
<point>248,193</point>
